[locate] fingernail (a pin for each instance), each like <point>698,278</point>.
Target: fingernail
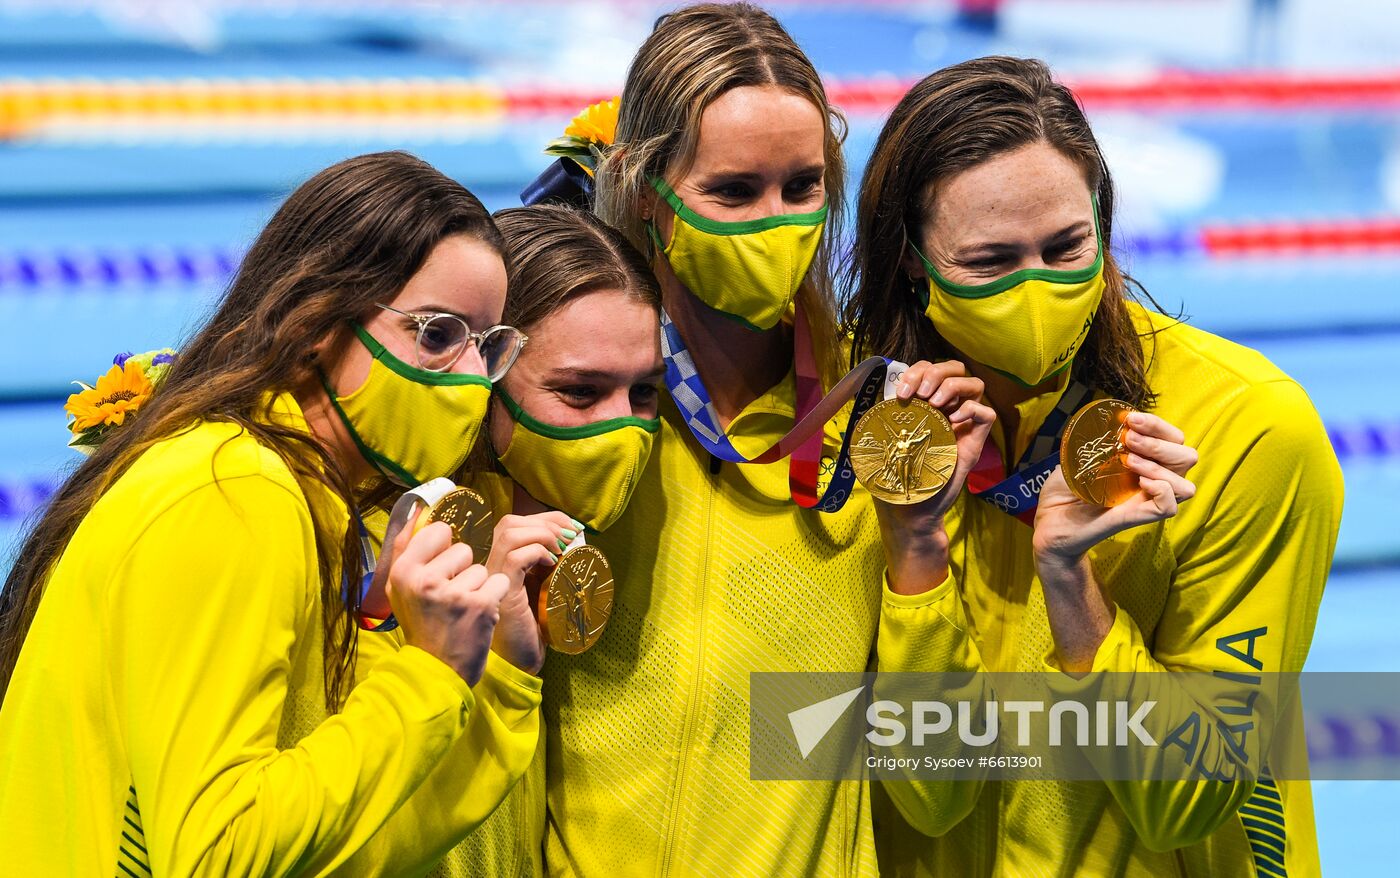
<point>568,534</point>
<point>578,525</point>
<point>563,545</point>
<point>940,397</point>
<point>926,388</point>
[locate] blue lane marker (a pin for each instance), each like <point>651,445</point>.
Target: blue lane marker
<point>33,271</point>
<point>1352,442</point>
<point>172,264</point>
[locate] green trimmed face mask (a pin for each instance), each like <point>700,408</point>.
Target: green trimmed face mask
<point>1027,325</point>
<point>588,472</point>
<point>411,424</point>
<point>750,270</point>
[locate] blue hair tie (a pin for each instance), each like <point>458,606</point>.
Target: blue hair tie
<point>563,182</point>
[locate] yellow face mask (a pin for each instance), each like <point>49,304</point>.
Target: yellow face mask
<point>749,271</point>
<point>1027,325</point>
<point>411,424</point>
<point>588,472</point>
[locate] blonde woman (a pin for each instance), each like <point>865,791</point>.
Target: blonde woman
<point>727,168</point>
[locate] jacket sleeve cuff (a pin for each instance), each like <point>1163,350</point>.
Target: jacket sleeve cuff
<point>920,600</point>
<point>1109,655</point>
<point>428,675</point>
<point>509,687</point>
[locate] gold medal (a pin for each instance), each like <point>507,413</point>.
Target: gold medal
<point>469,516</point>
<point>903,451</point>
<point>576,600</point>
<point>1092,455</point>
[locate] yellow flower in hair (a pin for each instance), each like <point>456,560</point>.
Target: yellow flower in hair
<point>119,393</point>
<point>597,124</point>
<point>591,132</point>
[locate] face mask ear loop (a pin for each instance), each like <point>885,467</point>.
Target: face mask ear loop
<point>922,291</point>
<point>490,442</point>
<point>919,293</point>
<point>655,246</point>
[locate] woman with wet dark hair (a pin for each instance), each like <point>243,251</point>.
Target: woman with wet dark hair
<point>984,237</point>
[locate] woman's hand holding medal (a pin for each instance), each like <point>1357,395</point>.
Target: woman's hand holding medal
<point>928,456</point>
<point>1122,469</point>
<point>446,605</point>
<point>1124,473</point>
<point>523,545</point>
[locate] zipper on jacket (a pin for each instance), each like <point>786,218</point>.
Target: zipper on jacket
<point>688,729</point>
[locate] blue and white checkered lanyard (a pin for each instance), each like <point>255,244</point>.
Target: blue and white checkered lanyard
<point>872,379</point>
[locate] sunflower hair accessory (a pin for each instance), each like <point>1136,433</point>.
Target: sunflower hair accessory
<point>588,135</point>
<point>580,150</point>
<point>95,411</point>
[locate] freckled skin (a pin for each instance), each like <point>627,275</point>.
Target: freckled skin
<point>1018,201</point>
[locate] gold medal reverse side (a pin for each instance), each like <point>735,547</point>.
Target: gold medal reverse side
<point>471,520</point>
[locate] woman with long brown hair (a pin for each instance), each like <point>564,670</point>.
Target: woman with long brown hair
<point>179,629</point>
<point>984,236</point>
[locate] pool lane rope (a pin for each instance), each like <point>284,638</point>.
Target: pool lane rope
<point>43,269</point>
<point>35,108</point>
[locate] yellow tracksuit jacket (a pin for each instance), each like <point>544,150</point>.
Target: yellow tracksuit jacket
<point>1239,570</point>
<point>718,574</point>
<point>166,714</point>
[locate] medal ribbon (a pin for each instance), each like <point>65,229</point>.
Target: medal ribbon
<point>367,563</point>
<point>1018,494</point>
<point>375,612</point>
<point>872,379</point>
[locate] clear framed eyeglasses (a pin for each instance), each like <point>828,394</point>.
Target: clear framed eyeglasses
<point>443,338</point>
